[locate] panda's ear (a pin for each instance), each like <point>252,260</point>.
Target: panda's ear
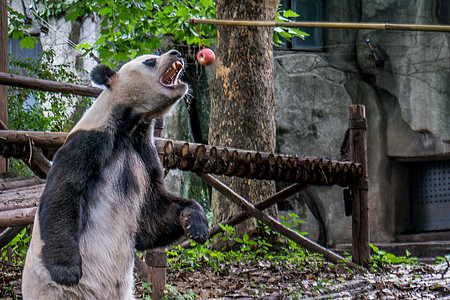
<point>102,74</point>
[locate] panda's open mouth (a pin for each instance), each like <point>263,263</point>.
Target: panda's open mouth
<point>170,77</point>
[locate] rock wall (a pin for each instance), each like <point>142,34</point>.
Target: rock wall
<point>407,102</point>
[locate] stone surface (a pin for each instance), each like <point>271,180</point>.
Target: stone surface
<point>407,103</point>
<point>311,114</point>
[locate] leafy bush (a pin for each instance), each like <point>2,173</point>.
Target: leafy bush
<point>42,111</point>
<point>382,260</point>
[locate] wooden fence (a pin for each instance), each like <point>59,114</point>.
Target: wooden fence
<point>37,148</point>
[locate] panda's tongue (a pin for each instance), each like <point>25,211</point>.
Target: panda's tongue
<point>170,77</point>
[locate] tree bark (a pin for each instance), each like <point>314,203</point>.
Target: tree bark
<point>242,99</point>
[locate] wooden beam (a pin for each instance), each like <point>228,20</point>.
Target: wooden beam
<point>242,216</point>
<point>48,85</point>
<point>359,190</point>
<point>273,224</point>
<point>37,138</point>
<point>4,68</point>
<point>17,217</point>
<point>216,160</point>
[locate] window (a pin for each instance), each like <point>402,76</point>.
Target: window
<point>309,10</point>
<point>443,11</point>
<point>18,53</point>
<point>15,50</point>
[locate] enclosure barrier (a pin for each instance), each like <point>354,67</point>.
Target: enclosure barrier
<point>37,148</point>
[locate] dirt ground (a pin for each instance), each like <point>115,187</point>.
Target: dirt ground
<point>265,279</point>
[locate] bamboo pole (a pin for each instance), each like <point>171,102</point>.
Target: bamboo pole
<point>330,25</point>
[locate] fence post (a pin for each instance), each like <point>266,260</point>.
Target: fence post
<point>156,259</point>
<point>359,190</point>
<point>3,68</point>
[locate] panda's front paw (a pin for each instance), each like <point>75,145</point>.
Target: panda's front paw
<point>195,224</point>
<point>65,275</point>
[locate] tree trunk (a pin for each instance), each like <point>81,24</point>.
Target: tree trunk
<point>242,99</point>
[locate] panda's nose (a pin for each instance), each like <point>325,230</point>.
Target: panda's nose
<point>174,53</point>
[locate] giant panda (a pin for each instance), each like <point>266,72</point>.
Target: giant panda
<point>105,195</point>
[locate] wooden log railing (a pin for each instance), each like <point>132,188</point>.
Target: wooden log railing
<point>34,148</point>
<point>207,159</point>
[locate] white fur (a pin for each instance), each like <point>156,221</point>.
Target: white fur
<point>137,86</point>
<point>107,243</point>
<point>109,238</point>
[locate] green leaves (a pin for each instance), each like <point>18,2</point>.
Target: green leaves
<point>36,110</point>
<point>382,259</point>
<point>105,11</point>
<point>281,35</point>
<point>28,42</point>
<point>130,28</point>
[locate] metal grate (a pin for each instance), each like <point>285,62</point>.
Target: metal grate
<point>430,195</point>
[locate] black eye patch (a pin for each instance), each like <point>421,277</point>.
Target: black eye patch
<point>151,62</point>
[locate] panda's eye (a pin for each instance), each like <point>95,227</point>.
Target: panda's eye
<point>151,62</point>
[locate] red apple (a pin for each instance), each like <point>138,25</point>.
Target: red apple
<point>206,56</point>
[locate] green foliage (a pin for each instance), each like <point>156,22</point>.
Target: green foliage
<point>292,222</point>
<point>133,28</point>
<point>147,290</point>
<point>17,29</point>
<point>41,111</point>
<point>171,293</point>
<point>249,251</point>
<point>19,246</point>
<point>287,33</point>
<point>382,259</point>
<point>443,259</point>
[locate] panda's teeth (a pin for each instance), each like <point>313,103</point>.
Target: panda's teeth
<point>170,77</point>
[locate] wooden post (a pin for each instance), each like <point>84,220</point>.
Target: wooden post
<point>3,68</point>
<point>359,190</point>
<point>156,259</point>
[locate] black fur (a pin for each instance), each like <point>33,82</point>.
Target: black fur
<point>101,75</point>
<point>151,62</point>
<point>163,215</point>
<point>77,166</point>
<point>62,210</point>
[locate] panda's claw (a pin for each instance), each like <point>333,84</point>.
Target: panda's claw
<point>195,224</point>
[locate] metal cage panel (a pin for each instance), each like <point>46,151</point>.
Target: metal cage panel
<point>430,195</point>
